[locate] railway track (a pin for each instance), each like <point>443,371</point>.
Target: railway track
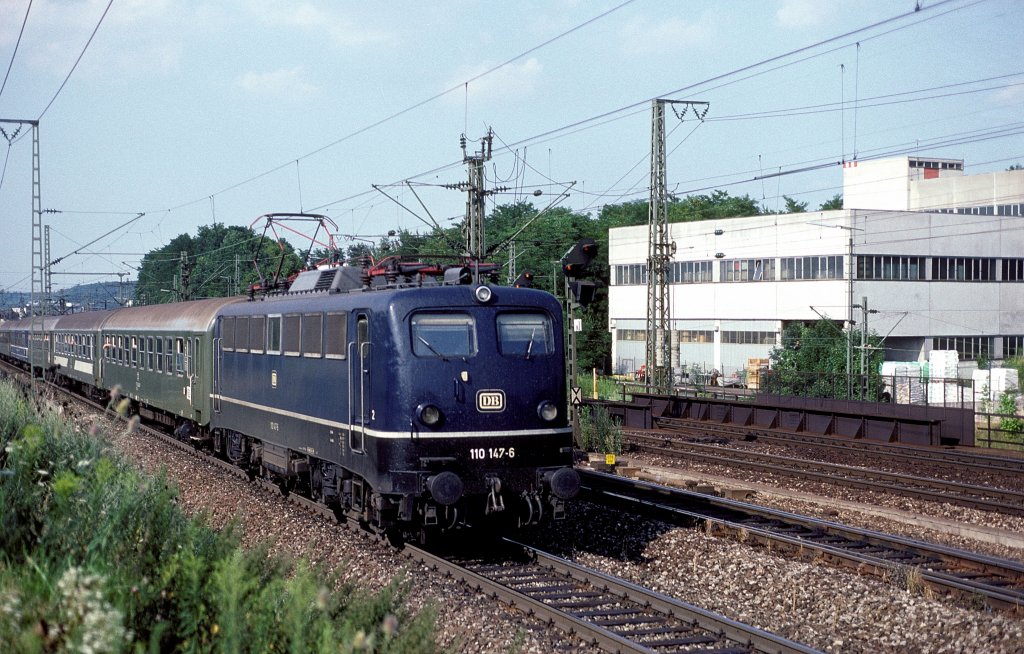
<point>996,583</point>
<point>955,459</point>
<point>614,614</point>
<point>611,613</point>
<point>986,498</point>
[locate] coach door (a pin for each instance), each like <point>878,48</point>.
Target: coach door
<point>359,382</point>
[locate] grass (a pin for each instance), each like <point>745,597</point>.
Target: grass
<point>95,557</point>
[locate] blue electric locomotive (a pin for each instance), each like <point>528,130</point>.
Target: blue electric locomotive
<point>434,406</point>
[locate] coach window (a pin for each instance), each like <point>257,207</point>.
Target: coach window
<point>273,334</point>
<point>227,333</point>
<point>525,334</point>
<point>336,335</point>
<point>290,336</point>
<point>312,335</point>
<point>193,360</point>
<point>257,334</point>
<point>443,335</point>
<point>169,349</point>
<point>149,352</point>
<point>179,356</point>
<point>159,354</point>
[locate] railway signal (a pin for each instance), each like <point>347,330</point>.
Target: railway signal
<point>577,260</point>
<point>524,281</point>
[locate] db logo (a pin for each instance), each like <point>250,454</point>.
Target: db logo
<point>490,401</point>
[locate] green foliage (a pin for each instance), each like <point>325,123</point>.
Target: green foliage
<point>1012,426</point>
<point>812,363</point>
<point>208,268</point>
<point>598,432</point>
<point>792,206</point>
<point>95,557</point>
<point>835,203</point>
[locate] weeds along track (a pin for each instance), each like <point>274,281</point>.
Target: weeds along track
<point>994,583</point>
<point>673,445</point>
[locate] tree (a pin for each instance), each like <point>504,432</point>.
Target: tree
<point>792,206</point>
<point>1016,166</point>
<point>812,363</point>
<point>835,203</point>
<point>190,268</point>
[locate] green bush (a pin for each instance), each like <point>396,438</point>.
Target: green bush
<point>95,557</point>
<point>598,432</point>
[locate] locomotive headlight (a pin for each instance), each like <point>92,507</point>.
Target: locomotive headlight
<point>547,411</point>
<point>483,294</point>
<point>429,415</point>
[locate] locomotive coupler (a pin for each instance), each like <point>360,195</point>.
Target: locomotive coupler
<point>495,503</point>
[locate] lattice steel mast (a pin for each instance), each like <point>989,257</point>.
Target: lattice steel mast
<point>661,249</point>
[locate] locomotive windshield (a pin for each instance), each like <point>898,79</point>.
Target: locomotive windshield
<point>525,334</point>
<point>443,335</point>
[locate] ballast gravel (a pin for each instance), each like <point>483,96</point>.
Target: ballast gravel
<point>823,607</point>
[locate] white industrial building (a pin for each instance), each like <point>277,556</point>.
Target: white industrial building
<point>938,254</point>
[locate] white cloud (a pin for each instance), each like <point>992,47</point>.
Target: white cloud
<point>644,36</point>
<point>510,82</point>
<point>285,82</point>
<point>340,30</point>
<point>798,14</point>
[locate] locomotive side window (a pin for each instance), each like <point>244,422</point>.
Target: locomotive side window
<point>290,336</point>
<point>525,334</point>
<point>227,334</point>
<point>336,335</point>
<point>312,334</point>
<point>241,334</point>
<point>257,334</point>
<point>274,335</point>
<point>443,335</point>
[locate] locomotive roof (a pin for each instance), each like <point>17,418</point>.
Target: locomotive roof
<point>194,316</point>
<point>403,300</point>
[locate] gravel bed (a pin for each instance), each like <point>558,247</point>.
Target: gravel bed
<point>952,512</point>
<point>819,605</point>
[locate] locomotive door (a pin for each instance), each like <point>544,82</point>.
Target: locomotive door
<point>359,383</point>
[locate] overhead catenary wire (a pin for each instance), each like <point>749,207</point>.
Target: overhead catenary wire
<point>79,59</point>
<point>17,43</point>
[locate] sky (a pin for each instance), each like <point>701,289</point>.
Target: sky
<point>192,113</point>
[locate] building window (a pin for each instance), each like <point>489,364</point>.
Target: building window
<point>696,336</point>
<point>1013,346</point>
<point>969,348</point>
<point>749,338</point>
<point>689,272</point>
<point>964,269</point>
<point>631,274</point>
<point>631,334</point>
<point>891,267</point>
<point>811,267</point>
<point>748,270</point>
<point>1013,270</point>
